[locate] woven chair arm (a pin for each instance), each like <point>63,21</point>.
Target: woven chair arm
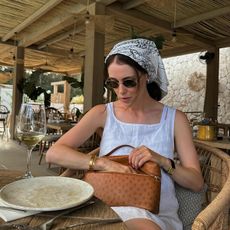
<point>220,203</point>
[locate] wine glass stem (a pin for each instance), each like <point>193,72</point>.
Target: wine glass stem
<point>28,164</point>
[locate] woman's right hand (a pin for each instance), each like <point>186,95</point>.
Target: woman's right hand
<point>104,164</point>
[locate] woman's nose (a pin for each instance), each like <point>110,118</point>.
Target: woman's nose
<point>121,89</point>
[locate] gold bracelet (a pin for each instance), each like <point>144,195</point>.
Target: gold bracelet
<point>92,161</point>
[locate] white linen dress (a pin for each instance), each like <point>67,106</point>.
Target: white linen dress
<point>158,137</point>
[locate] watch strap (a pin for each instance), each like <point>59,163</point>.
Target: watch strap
<point>172,167</point>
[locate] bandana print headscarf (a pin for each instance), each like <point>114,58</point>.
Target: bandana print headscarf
<point>145,53</point>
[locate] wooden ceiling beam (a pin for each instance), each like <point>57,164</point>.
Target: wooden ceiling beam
<point>106,2</point>
<point>199,41</point>
<point>202,17</point>
<point>137,16</point>
<point>51,51</point>
<point>65,35</point>
<point>177,51</point>
<point>225,42</point>
<point>62,36</point>
<point>66,18</point>
<point>9,42</point>
<point>133,3</point>
<point>156,23</point>
<point>4,51</point>
<point>35,16</point>
<point>6,64</point>
<point>60,53</point>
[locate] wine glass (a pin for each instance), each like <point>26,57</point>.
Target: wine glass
<point>30,129</point>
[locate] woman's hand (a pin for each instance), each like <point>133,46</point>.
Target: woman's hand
<point>142,154</point>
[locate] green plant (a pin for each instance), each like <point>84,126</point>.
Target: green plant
<point>39,81</point>
<point>30,86</point>
<point>74,82</point>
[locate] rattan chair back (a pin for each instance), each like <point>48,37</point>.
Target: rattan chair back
<point>215,165</point>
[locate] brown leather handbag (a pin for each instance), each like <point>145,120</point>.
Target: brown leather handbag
<point>140,189</point>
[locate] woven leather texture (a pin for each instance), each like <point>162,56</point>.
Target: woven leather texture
<point>141,189</point>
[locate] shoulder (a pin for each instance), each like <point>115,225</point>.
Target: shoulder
<point>181,122</point>
<point>181,116</point>
<point>96,114</point>
<point>101,108</point>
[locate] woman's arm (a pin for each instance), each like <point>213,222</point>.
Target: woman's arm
<point>64,151</point>
<point>188,172</point>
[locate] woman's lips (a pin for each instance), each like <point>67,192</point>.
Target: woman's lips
<point>124,99</point>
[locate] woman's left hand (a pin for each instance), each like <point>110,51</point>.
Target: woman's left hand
<point>142,154</point>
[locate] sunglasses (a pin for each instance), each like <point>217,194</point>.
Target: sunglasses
<point>114,84</point>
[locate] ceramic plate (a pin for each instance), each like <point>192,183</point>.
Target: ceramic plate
<point>46,193</point>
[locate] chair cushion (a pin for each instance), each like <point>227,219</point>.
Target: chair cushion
<point>190,204</point>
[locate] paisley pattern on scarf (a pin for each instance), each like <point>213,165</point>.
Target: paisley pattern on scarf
<point>146,54</point>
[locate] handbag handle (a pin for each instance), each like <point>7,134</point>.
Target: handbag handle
<point>96,151</point>
<point>118,147</point>
<point>146,168</point>
<point>150,168</point>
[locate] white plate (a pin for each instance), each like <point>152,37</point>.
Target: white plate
<point>47,193</point>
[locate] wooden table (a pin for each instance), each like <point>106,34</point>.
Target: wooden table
<point>62,126</point>
<point>99,209</point>
<point>221,144</point>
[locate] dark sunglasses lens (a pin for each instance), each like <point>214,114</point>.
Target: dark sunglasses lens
<point>129,83</point>
<point>111,84</point>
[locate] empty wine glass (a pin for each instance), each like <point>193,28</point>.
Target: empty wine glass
<point>30,129</point>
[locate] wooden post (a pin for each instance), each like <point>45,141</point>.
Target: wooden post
<point>212,84</point>
<point>17,95</point>
<point>94,60</point>
<point>66,97</point>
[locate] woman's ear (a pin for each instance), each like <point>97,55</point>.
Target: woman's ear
<point>147,79</point>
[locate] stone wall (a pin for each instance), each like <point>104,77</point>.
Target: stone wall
<point>187,79</point>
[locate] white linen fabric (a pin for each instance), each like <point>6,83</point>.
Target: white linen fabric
<point>158,137</point>
<point>146,54</point>
<point>9,215</point>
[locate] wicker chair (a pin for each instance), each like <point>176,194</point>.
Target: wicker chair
<point>215,166</point>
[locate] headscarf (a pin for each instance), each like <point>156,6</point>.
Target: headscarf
<point>146,54</point>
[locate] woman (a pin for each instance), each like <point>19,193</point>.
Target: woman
<point>136,74</point>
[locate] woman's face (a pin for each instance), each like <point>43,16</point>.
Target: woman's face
<point>125,82</point>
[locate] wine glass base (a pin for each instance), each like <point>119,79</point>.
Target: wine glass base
<point>27,175</point>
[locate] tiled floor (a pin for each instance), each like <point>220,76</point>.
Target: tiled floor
<point>13,156</point>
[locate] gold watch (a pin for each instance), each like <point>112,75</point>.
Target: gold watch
<point>171,169</point>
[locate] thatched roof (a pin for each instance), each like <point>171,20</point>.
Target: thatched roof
<point>53,32</point>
